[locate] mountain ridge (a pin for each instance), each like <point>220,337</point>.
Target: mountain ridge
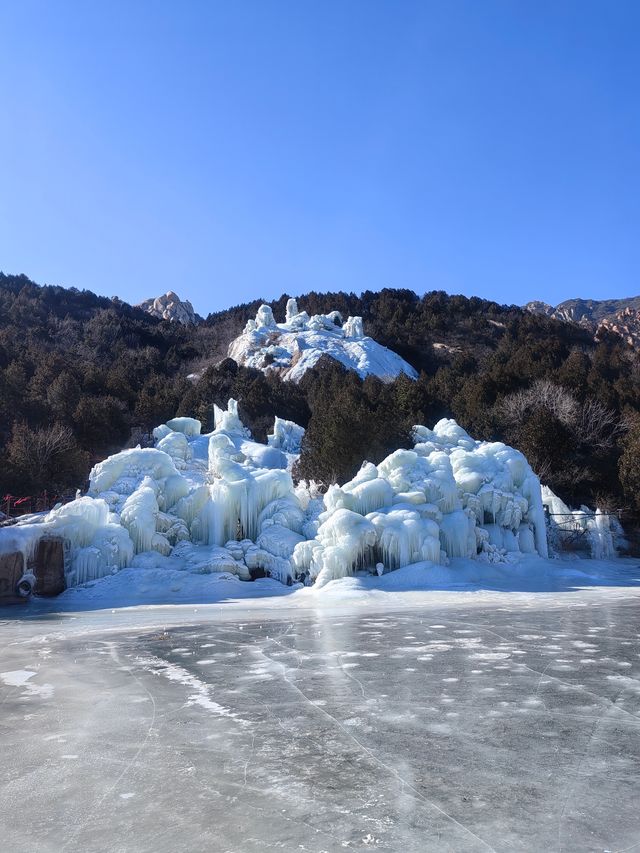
<point>588,312</point>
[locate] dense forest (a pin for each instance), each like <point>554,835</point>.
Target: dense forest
<point>82,376</point>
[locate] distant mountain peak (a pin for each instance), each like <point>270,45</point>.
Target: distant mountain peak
<point>537,307</point>
<point>604,316</point>
<point>170,307</point>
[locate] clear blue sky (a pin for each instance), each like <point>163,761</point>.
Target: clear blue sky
<point>235,150</point>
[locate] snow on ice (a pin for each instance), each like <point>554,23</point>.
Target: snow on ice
<point>295,346</point>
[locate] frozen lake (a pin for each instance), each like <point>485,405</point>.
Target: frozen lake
<point>461,727</point>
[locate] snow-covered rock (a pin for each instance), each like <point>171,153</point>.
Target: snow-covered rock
<point>170,307</point>
<point>293,347</point>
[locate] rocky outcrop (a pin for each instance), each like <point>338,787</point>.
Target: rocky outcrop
<point>48,567</point>
<point>537,307</point>
<point>584,311</point>
<point>601,317</point>
<point>171,307</point>
<point>625,323</point>
<point>11,571</point>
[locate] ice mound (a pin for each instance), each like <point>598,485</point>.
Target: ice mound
<point>222,502</point>
<point>450,496</point>
<point>293,347</point>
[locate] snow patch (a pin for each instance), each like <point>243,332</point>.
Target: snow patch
<point>201,695</point>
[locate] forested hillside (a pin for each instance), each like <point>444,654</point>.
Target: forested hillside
<point>82,375</point>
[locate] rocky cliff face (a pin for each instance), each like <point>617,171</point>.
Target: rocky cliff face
<point>618,316</point>
<point>625,323</point>
<point>171,307</point>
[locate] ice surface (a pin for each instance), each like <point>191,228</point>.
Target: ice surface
<point>295,346</point>
<point>464,723</point>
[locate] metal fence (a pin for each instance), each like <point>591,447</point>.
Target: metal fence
<point>13,506</point>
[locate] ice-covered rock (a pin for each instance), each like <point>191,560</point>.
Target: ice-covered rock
<point>96,543</point>
<point>123,472</point>
<point>295,346</point>
<point>176,445</point>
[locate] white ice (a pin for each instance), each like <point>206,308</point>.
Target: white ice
<point>223,503</point>
<point>450,496</point>
<point>293,347</point>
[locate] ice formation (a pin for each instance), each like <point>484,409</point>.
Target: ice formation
<point>222,502</point>
<point>96,543</point>
<point>582,529</point>
<point>450,496</point>
<point>286,435</point>
<point>293,347</point>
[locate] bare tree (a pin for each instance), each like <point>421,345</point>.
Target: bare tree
<point>591,422</point>
<point>542,394</point>
<point>50,442</point>
<point>44,457</point>
<point>597,426</point>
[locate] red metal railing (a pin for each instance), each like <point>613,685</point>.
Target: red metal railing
<point>13,506</point>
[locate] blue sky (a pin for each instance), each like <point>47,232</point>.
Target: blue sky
<point>236,150</point>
